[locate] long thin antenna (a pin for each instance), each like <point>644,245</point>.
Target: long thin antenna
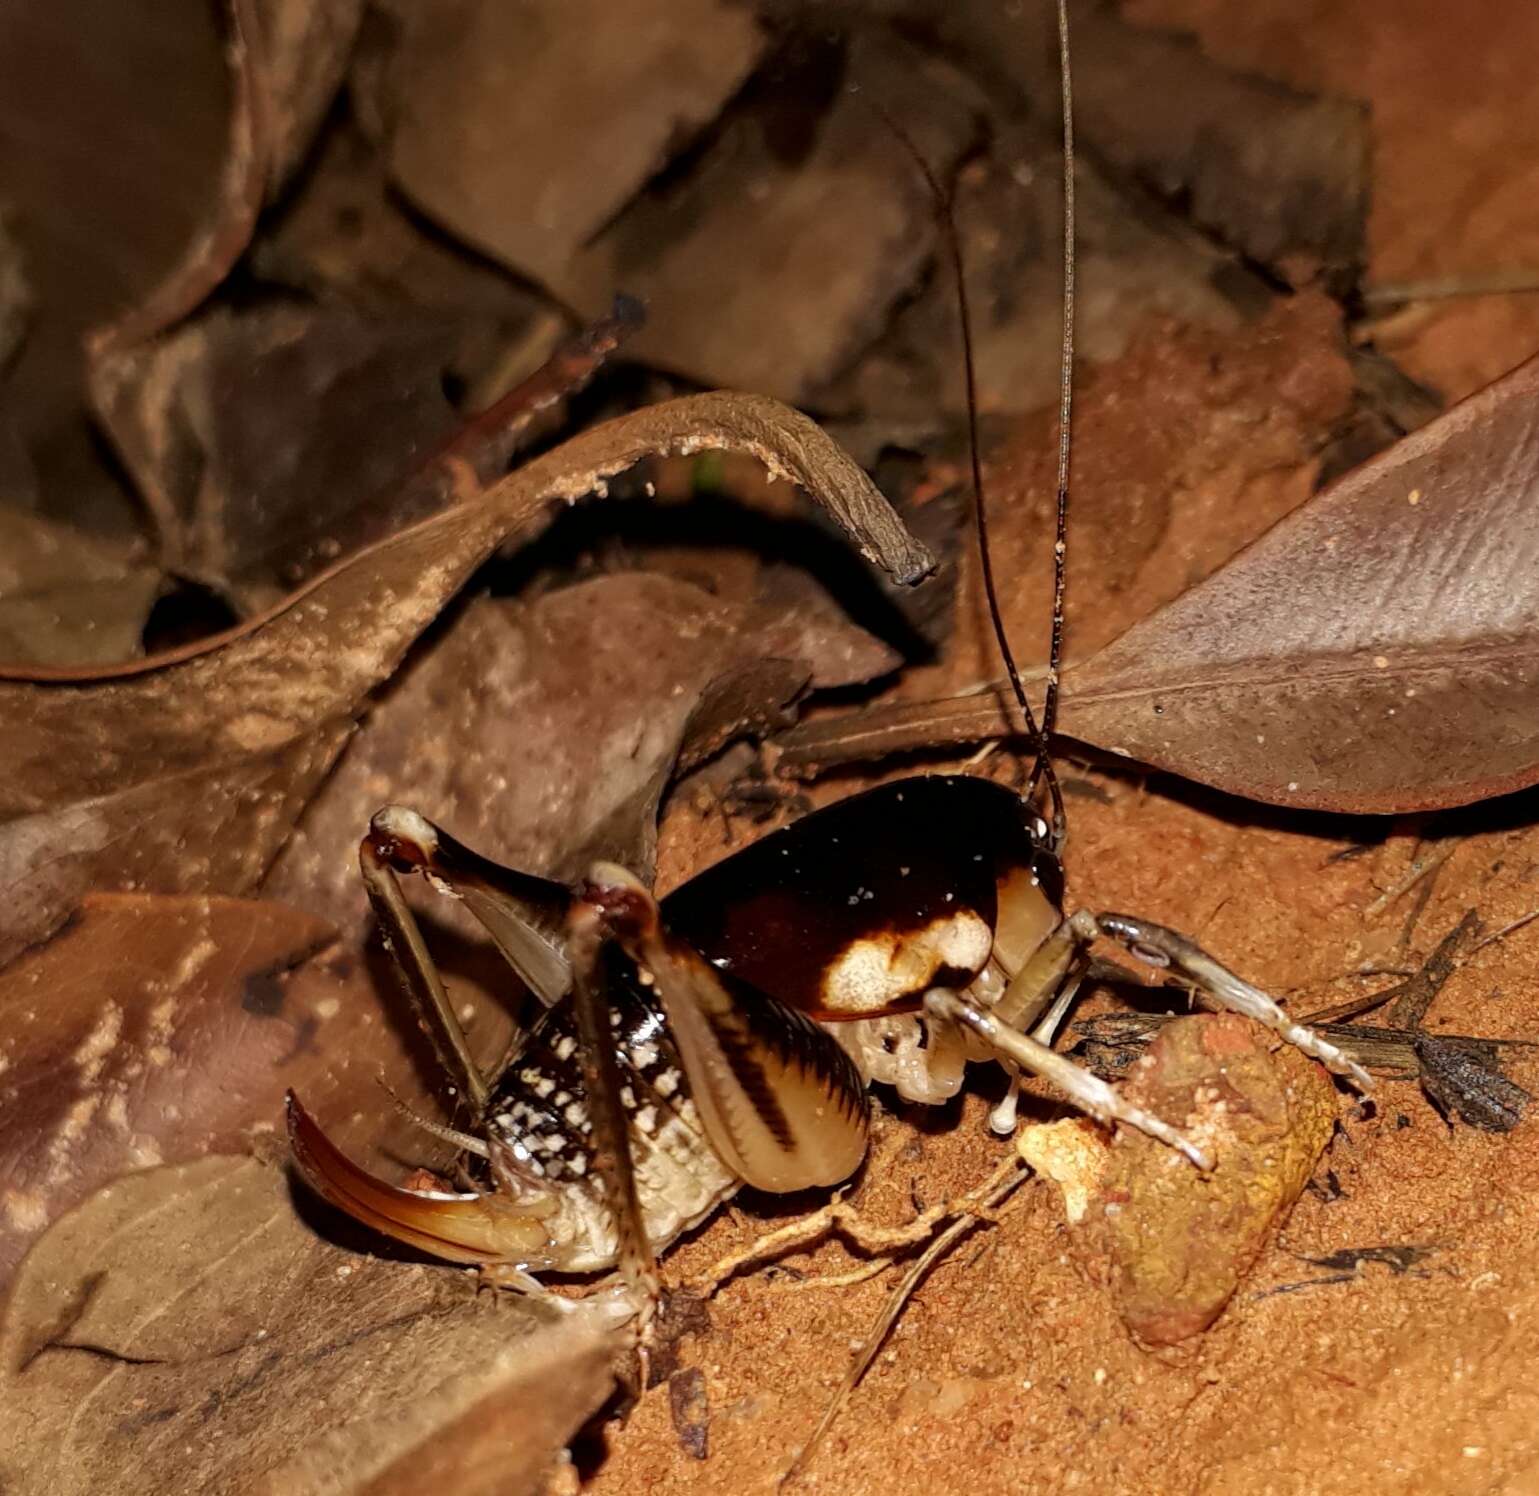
<point>1043,765</point>
<point>1065,414</point>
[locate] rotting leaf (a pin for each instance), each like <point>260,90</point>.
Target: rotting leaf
<point>170,740</point>
<point>183,1330</point>
<point>156,1028</point>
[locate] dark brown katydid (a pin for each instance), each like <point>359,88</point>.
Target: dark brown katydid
<point>726,1036</point>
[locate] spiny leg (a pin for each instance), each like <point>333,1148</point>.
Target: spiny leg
<point>1086,1091</point>
<point>1156,945</point>
<point>614,1164</point>
<point>419,974</point>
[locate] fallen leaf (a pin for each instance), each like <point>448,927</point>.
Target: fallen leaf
<point>183,1330</point>
<point>305,48</point>
<point>1007,209</point>
<point>347,237</point>
<point>190,767</point>
<point>1281,175</point>
<point>15,291</point>
<point>1378,650</point>
<point>68,597</point>
<point>1337,662</point>
<point>280,437</point>
<point>468,76</point>
<point>493,734</point>
<point>155,1029</point>
<point>798,172</point>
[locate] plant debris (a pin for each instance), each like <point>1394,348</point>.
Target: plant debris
<point>192,1309</point>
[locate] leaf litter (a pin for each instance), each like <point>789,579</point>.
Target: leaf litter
<point>131,778</point>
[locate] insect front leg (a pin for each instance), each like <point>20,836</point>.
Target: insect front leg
<point>1088,1092</point>
<point>1155,945</point>
<point>613,1162</point>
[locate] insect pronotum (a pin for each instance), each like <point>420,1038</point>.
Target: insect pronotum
<point>727,1035</point>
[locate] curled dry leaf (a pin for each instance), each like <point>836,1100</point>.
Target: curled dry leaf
<point>183,1330</point>
<point>156,1028</point>
<point>189,768</point>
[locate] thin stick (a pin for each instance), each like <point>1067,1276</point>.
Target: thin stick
<point>997,1190</point>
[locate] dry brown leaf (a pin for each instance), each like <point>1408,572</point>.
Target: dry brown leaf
<point>184,1331</point>
<point>1281,175</point>
<point>799,175</point>
<point>68,597</point>
<point>1007,209</point>
<point>595,109</point>
<point>1375,651</point>
<point>280,437</point>
<point>347,237</point>
<point>305,47</point>
<point>1378,650</point>
<point>97,766</point>
<point>158,1028</point>
<point>15,290</point>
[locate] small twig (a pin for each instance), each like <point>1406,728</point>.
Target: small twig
<point>838,1280</point>
<point>1501,934</point>
<point>1410,1007</point>
<point>994,1192</point>
<point>1416,991</point>
<point>1421,865</point>
<point>1450,287</point>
